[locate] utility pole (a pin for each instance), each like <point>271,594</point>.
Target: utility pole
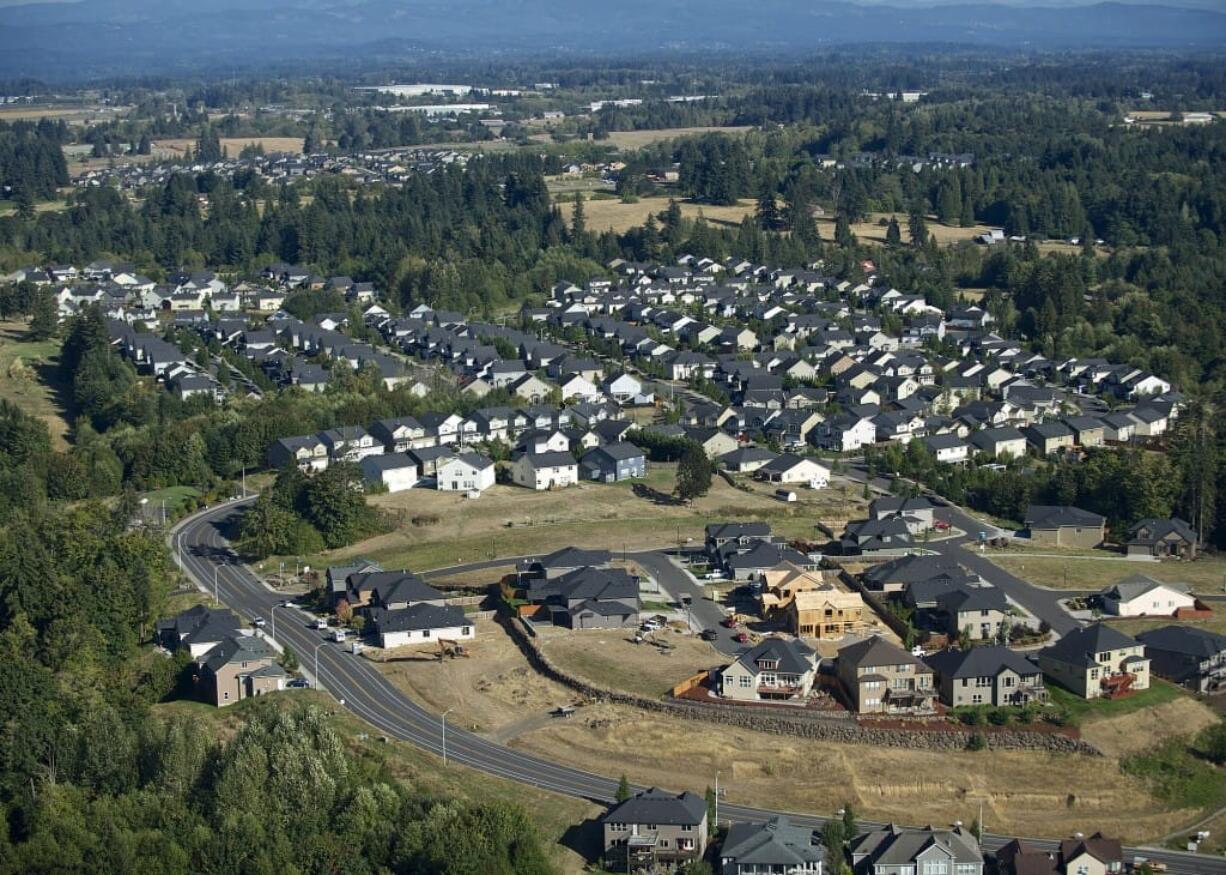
<point>244,481</point>
<point>318,681</point>
<point>717,799</point>
<point>216,600</point>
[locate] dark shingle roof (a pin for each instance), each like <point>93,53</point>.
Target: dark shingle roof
<point>659,807</point>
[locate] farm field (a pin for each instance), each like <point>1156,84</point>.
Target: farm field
<point>512,521</point>
<point>232,146</point>
<point>1205,575</point>
<point>1028,793</point>
<point>628,141</point>
<point>30,379</point>
<point>612,214</point>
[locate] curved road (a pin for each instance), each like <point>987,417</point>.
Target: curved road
<point>205,555</point>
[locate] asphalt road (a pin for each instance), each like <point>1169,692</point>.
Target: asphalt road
<point>205,555</point>
<point>703,613</point>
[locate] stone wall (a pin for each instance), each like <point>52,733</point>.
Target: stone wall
<point>824,727</point>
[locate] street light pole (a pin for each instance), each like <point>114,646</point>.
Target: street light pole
<point>717,798</point>
<point>444,722</point>
<point>216,600</point>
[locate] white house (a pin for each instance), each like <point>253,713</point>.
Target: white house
<point>1141,596</point>
<point>624,389</point>
<point>542,471</point>
<point>948,448</point>
<point>467,472</point>
<point>422,624</point>
<point>396,471</point>
<point>795,469</point>
<point>579,386</point>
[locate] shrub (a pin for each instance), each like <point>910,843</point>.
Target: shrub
<point>976,742</point>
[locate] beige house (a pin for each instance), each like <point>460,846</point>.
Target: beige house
<point>986,676</point>
<point>654,828</point>
<point>778,668</point>
<point>879,677</point>
<point>1097,661</point>
<point>238,668</point>
<point>1063,526</point>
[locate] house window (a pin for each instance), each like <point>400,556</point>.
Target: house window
<point>746,682</point>
<point>936,867</point>
<point>425,633</point>
<point>466,630</point>
<point>977,699</point>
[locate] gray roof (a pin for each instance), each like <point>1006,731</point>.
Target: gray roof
<point>794,656</point>
<point>911,569</point>
<point>973,598</point>
<point>419,616</point>
<point>777,842</point>
<point>660,807</point>
<point>893,845</point>
<point>875,651</point>
<point>1138,584</point>
<point>1080,646</point>
<point>388,462</point>
<point>616,452</point>
<point>1185,640</point>
<point>573,557</point>
<point>395,586</point>
<point>980,662</point>
<point>1043,516</point>
<point>550,460</point>
<point>237,648</point>
<point>1150,531</point>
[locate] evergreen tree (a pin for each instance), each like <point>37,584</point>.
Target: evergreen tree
<point>693,473</point>
<point>918,229</point>
<point>893,235</point>
<point>623,790</point>
<point>208,146</point>
<point>578,221</point>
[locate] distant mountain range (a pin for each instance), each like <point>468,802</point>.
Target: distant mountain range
<point>72,41</point>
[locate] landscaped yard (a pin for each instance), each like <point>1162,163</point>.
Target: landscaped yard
<point>1205,575</point>
<point>29,377</point>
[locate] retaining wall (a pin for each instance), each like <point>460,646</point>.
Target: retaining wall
<point>826,727</point>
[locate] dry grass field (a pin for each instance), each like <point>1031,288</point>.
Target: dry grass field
<point>1205,575</point>
<point>512,521</point>
<point>628,141</point>
<point>29,379</point>
<point>232,146</point>
<point>612,214</point>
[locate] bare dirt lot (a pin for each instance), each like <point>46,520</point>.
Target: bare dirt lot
<point>512,521</point>
<point>610,658</point>
<point>1205,575</point>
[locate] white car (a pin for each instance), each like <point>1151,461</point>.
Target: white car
<point>258,622</point>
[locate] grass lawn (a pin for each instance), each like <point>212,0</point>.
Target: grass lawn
<point>29,377</point>
<point>1205,575</point>
<point>1216,623</point>
<point>1081,710</point>
<point>174,496</point>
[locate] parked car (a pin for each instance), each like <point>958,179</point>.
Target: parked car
<point>728,622</point>
<point>713,575</point>
<point>320,623</point>
<point>740,638</point>
<point>299,684</point>
<point>258,622</point>
<point>708,635</point>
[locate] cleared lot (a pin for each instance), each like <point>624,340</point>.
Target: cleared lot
<point>1206,575</point>
<point>610,657</point>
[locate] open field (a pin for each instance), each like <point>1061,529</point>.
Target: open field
<point>555,816</point>
<point>8,208</point>
<point>30,379</point>
<point>628,141</point>
<point>610,658</point>
<point>1148,722</point>
<point>230,145</point>
<point>1026,793</point>
<point>614,215</point>
<point>33,112</point>
<point>512,521</point>
<point>1205,575</point>
<point>1134,626</point>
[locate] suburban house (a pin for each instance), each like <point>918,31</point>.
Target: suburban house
<point>1163,539</point>
<point>465,472</point>
<point>1141,596</point>
<point>239,667</point>
<point>1064,526</point>
<point>986,676</point>
<point>1003,442</point>
<point>541,471</point>
<point>587,598</point>
<point>390,590</point>
<point>349,443</point>
<point>777,668</point>
<point>1188,656</point>
<point>895,850</point>
<point>777,846</point>
<point>789,468</point>
<point>714,442</point>
<point>897,575</point>
<point>421,623</point>
<point>1096,855</point>
<point>613,463</point>
<point>561,561</point>
<point>394,471</point>
<point>879,677</point>
<point>868,536</point>
<point>919,514</point>
<point>306,452</point>
<point>429,459</point>
<point>654,827</point>
<point>1049,438</point>
<point>197,630</point>
<point>976,612</point>
<point>1097,661</point>
<point>947,448</point>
